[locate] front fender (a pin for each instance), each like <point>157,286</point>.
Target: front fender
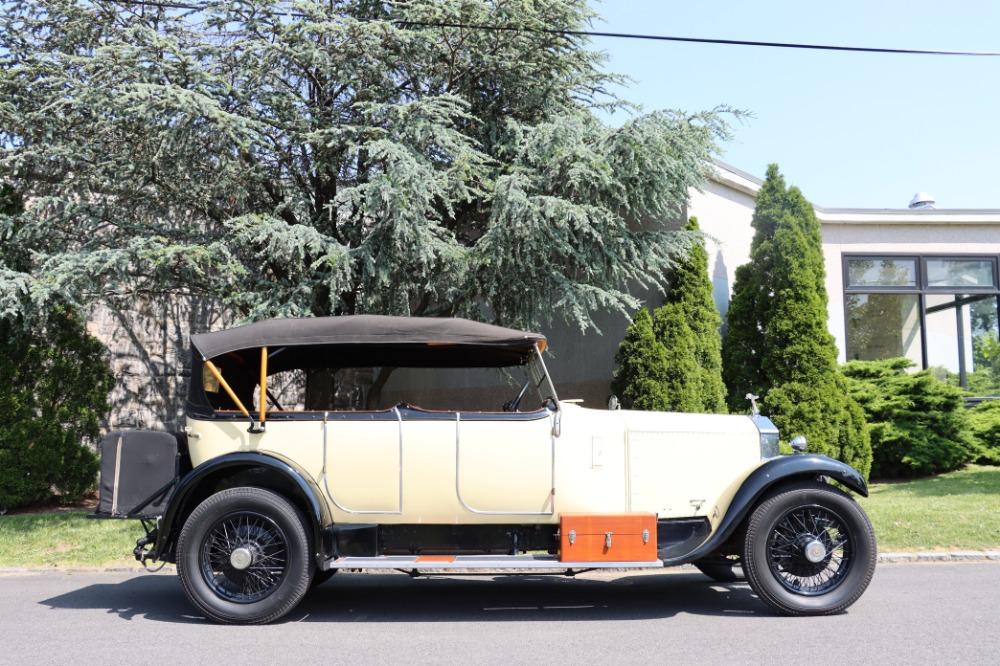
<point>192,488</point>
<point>762,480</point>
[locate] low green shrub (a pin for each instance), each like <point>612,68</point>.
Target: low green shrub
<point>984,423</point>
<point>919,424</point>
<point>54,385</point>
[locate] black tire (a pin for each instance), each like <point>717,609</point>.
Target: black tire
<point>244,556</point>
<point>809,549</point>
<point>722,568</point>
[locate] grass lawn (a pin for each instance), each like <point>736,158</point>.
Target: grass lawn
<point>67,539</point>
<point>956,511</point>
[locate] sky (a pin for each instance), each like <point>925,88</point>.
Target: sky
<point>851,130</point>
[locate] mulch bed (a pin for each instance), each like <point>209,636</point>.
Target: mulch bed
<point>55,505</point>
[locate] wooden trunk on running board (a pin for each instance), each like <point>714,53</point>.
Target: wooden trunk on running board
<point>618,537</point>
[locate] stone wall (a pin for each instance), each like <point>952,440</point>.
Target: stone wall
<point>150,357</point>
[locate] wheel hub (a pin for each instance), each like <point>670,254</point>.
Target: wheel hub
<point>815,551</point>
<point>241,558</point>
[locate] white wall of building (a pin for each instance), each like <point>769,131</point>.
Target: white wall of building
<point>724,210</point>
<point>898,232</point>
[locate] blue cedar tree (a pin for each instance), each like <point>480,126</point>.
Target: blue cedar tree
<point>337,160</point>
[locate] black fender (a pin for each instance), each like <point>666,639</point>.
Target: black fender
<point>190,490</point>
<point>774,473</point>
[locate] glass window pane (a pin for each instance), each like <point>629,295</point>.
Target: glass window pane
<point>960,273</point>
<point>883,272</point>
<point>883,326</point>
<point>962,341</point>
<point>947,346</point>
<point>984,376</point>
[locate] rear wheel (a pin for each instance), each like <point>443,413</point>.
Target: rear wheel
<point>809,550</point>
<point>243,556</point>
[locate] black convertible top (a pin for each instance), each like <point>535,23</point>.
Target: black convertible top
<point>377,340</point>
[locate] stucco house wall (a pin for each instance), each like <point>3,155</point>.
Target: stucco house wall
<point>724,208</point>
<point>898,232</point>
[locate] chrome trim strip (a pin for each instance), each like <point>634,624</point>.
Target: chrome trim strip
<point>326,477</point>
<point>118,472</point>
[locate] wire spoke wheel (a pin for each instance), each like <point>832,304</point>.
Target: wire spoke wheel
<point>809,550</point>
<point>244,557</point>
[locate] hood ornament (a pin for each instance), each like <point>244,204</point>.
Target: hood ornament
<point>754,409</point>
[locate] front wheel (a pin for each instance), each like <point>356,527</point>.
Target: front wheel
<point>809,550</point>
<point>243,556</point>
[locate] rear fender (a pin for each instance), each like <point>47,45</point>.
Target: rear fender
<point>213,475</point>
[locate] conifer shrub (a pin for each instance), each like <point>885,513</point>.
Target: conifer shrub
<point>688,325</point>
<point>778,345</point>
<point>671,359</point>
<point>984,424</point>
<point>54,386</point>
<point>918,424</point>
<point>640,380</point>
<point>680,378</point>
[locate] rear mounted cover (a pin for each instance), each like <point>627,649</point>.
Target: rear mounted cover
<point>139,468</point>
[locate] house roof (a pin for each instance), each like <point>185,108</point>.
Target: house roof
<point>730,176</point>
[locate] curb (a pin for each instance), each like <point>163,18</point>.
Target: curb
<point>936,556</point>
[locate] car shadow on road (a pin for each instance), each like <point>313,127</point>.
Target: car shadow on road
<point>395,597</point>
<point>153,597</point>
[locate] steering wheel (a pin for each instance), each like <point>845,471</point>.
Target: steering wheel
<point>512,405</point>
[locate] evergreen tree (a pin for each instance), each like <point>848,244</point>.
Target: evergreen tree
<point>674,335</point>
<point>778,345</point>
<point>54,385</point>
<point>689,313</point>
<point>686,330</point>
<point>316,157</point>
<point>641,378</point>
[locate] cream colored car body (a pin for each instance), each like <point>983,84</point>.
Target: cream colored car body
<point>496,470</point>
<point>256,503</point>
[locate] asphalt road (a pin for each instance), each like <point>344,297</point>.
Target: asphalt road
<point>911,614</point>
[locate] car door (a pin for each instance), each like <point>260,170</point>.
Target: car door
<point>505,462</point>
<point>363,461</point>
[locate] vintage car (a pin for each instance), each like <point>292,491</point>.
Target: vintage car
<point>265,494</point>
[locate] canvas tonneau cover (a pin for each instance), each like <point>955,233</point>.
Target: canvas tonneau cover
<point>380,339</point>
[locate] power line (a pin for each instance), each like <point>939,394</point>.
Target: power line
<point>700,40</point>
<point>612,35</point>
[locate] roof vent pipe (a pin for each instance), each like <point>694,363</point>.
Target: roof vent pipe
<point>922,200</point>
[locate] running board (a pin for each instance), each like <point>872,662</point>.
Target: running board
<point>482,562</point>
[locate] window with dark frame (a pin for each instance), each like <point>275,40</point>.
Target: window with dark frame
<point>940,311</point>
